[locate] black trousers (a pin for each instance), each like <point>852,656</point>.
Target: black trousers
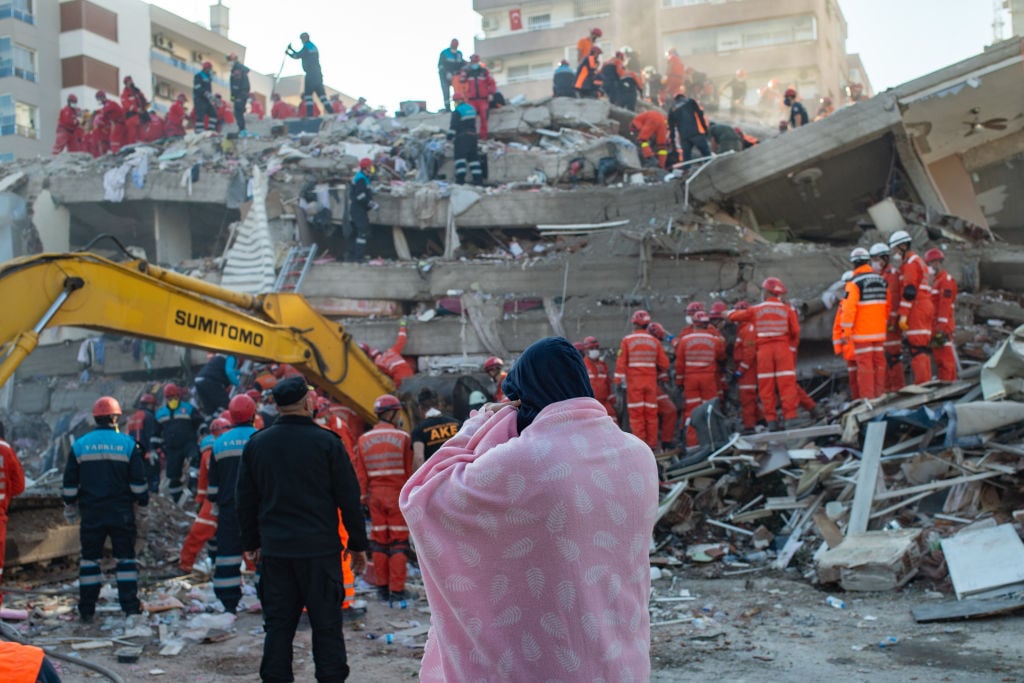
<point>240,112</point>
<point>119,525</point>
<point>205,112</point>
<point>227,566</point>
<point>177,459</point>
<point>213,396</point>
<point>286,586</point>
<point>314,85</point>
<point>361,223</point>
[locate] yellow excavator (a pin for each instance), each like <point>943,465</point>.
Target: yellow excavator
<point>137,298</point>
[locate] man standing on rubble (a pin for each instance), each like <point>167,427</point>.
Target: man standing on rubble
<point>136,110</point>
<point>360,204</point>
<point>600,380</point>
<point>641,360</point>
<point>462,131</point>
<point>797,111</point>
<point>744,356</point>
<point>668,415</point>
<point>449,64</point>
<point>175,127</point>
<point>204,529</point>
<point>917,306</point>
<point>675,77</point>
<point>240,93</point>
<point>650,129</point>
<point>585,44</point>
<point>223,479</point>
<point>895,377</point>
<point>479,87</point>
<point>12,484</point>
<point>177,424</point>
<point>563,81</point>
<point>612,72</point>
<point>294,479</point>
<point>864,315</point>
<point>143,427</point>
<point>944,291</point>
<point>112,116</point>
<point>104,476</point>
<point>588,81</point>
<point>314,82</point>
<point>630,88</point>
<point>214,382</point>
<point>778,333</point>
<point>69,128</point>
<point>204,110</point>
<point>689,128</point>
<point>697,361</point>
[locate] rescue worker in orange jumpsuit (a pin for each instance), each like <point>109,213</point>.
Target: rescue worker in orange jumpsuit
<point>12,483</point>
<point>25,664</point>
<point>256,107</point>
<point>69,129</point>
<point>493,367</point>
<point>204,529</point>
<point>744,357</point>
<point>864,317</point>
<point>944,294</point>
<point>917,306</point>
<point>588,80</point>
<point>175,124</point>
<point>668,415</point>
<point>384,465</point>
<point>391,362</point>
<point>597,371</point>
<point>479,88</point>
<point>281,109</point>
<point>895,378</point>
<point>136,110</point>
<point>612,72</point>
<point>154,129</point>
<point>674,78</point>
<point>842,349</point>
<point>651,128</point>
<point>641,360</point>
<point>778,332</point>
<point>112,116</point>
<point>584,44</point>
<point>697,361</point>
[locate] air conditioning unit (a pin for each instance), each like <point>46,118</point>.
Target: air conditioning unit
<point>169,45</point>
<point>159,40</point>
<point>491,23</point>
<point>198,57</point>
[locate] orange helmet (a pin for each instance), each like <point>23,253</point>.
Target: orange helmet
<point>242,409</point>
<point>492,363</point>
<point>172,391</point>
<point>590,343</point>
<point>641,318</point>
<point>106,406</point>
<point>773,285</point>
<point>219,426</point>
<point>385,404</point>
<point>656,330</point>
<point>933,254</point>
<point>619,54</point>
<point>718,310</point>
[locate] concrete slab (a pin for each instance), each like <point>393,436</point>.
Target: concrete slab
<point>875,561</point>
<point>31,398</point>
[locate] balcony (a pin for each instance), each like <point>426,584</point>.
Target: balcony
<point>554,37</point>
<point>188,67</point>
<point>17,10</point>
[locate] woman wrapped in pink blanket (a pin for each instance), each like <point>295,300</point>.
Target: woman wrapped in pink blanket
<point>532,528</point>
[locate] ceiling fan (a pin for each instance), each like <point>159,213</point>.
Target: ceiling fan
<point>977,125</point>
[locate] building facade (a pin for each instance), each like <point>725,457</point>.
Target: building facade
<point>799,43</point>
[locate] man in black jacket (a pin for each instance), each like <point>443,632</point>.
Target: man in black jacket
<point>295,476</point>
<point>240,93</point>
<point>688,127</point>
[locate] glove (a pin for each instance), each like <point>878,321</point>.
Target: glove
<point>214,509</point>
<point>71,515</point>
<point>153,458</point>
<point>939,339</point>
<point>374,206</point>
<point>669,338</point>
<point>904,324</point>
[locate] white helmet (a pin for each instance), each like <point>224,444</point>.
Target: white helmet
<point>847,276</point>
<point>899,237</point>
<point>879,249</point>
<point>477,399</point>
<point>859,254</point>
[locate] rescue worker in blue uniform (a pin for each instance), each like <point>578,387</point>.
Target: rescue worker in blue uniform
<point>202,97</point>
<point>462,129</point>
<point>314,82</point>
<point>177,434</point>
<point>105,475</point>
<point>227,453</point>
<point>360,204</point>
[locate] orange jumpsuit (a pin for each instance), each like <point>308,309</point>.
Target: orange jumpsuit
<point>841,348</point>
<point>113,126</point>
<point>337,425</point>
<point>12,483</point>
<point>648,126</point>
<point>256,109</point>
<point>282,110</point>
<point>204,529</point>
<point>895,378</point>
<point>675,77</point>
<point>587,79</point>
<point>134,104</point>
<point>69,131</point>
<point>918,306</point>
<point>945,291</point>
<point>20,663</point>
<point>641,360</point>
<point>175,125</point>
<point>697,358</point>
<point>391,362</point>
<point>479,86</point>
<point>744,356</point>
<point>778,332</point>
<point>384,465</point>
<point>864,318</point>
<point>355,423</point>
<point>583,46</point>
<point>597,371</point>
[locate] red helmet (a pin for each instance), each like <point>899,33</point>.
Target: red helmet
<point>790,92</point>
<point>641,318</point>
<point>773,285</point>
<point>127,79</point>
<point>106,406</point>
<point>386,403</point>
<point>207,66</point>
<point>101,95</point>
<point>492,363</point>
<point>242,409</point>
<point>147,399</point>
<point>72,98</point>
<point>933,254</point>
<point>253,394</point>
<point>693,307</point>
<point>595,50</point>
<point>741,306</point>
<point>596,32</point>
<point>718,310</point>
<point>701,317</point>
<point>219,426</point>
<point>590,343</point>
<point>172,391</point>
<point>365,162</point>
<point>656,330</point>
<point>619,54</point>
<point>578,346</point>
<point>225,415</point>
<point>182,97</point>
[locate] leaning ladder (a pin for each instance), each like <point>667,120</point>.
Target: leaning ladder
<point>296,265</point>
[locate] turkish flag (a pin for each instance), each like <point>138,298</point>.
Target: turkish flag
<point>515,19</point>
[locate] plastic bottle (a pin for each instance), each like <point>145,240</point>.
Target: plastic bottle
<point>888,641</point>
<point>387,637</point>
<point>835,602</point>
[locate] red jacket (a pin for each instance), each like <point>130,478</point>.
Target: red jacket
<point>282,110</point>
<point>256,109</point>
<point>112,113</point>
<point>385,454</point>
<point>175,119</point>
<point>12,478</point>
<point>133,100</point>
<point>597,371</point>
<point>68,119</point>
<point>915,281</point>
<point>744,350</point>
<point>945,291</point>
<point>773,321</point>
<point>642,357</point>
<point>391,362</point>
<point>699,353</point>
<point>478,84</point>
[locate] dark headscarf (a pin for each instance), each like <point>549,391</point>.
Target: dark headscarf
<point>549,371</point>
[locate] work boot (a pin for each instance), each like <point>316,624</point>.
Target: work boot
<point>772,426</point>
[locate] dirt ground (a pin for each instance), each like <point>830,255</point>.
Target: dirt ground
<point>771,628</point>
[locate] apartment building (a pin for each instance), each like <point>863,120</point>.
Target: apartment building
<point>29,77</point>
<point>796,42</point>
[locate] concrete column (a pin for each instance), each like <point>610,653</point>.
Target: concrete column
<point>53,223</point>
<point>171,232</point>
<point>918,173</point>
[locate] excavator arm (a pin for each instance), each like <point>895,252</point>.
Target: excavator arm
<point>139,299</point>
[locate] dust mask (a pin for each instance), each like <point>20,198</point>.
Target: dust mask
<point>594,354</point>
<point>173,404</point>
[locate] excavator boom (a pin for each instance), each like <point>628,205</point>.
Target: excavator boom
<point>139,299</point>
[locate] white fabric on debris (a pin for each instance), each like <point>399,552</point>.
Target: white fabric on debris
<point>114,180</point>
<point>250,260</point>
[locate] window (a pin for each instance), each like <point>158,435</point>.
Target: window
<point>19,9</point>
<point>590,8</point>
<point>6,115</point>
<point>25,118</point>
<point>748,35</point>
<point>538,21</point>
<point>24,63</point>
<point>530,72</point>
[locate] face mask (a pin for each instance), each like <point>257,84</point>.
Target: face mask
<point>594,354</point>
<point>788,102</point>
<point>173,404</point>
<point>896,258</point>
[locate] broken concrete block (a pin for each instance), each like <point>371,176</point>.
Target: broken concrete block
<point>570,112</point>
<point>31,398</point>
<point>985,562</point>
<point>874,561</point>
<point>537,117</point>
<point>506,123</point>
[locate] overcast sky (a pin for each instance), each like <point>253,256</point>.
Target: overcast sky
<point>387,50</point>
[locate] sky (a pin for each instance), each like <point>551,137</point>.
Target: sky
<point>386,50</point>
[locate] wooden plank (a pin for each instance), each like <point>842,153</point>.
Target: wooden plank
<point>867,478</point>
<point>828,529</point>
<point>793,434</point>
<point>62,541</point>
<point>966,609</point>
<point>935,485</point>
<point>937,394</point>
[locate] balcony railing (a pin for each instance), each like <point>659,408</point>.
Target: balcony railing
<point>8,11</point>
<point>26,131</point>
<point>20,73</point>
<point>161,56</point>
